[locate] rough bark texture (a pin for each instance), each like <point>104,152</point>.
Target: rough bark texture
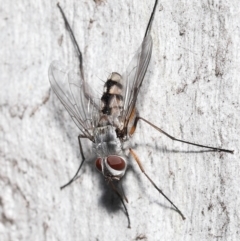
<point>191,91</point>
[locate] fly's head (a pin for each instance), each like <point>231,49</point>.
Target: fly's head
<point>112,167</point>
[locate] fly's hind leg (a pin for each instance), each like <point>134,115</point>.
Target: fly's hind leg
<point>76,46</point>
<point>173,138</point>
<point>75,177</point>
<point>79,55</point>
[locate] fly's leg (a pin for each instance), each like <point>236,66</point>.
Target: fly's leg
<point>76,46</point>
<point>173,138</point>
<point>136,158</point>
<point>123,194</point>
<point>151,19</point>
<point>75,177</point>
<point>121,198</point>
<point>79,53</point>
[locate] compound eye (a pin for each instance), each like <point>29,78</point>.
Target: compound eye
<point>98,164</point>
<point>116,163</point>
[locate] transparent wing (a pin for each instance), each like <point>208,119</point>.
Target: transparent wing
<point>73,92</point>
<point>134,76</point>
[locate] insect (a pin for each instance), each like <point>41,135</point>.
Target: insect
<point>111,121</point>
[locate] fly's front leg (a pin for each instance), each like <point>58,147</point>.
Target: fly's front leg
<point>173,138</point>
<point>121,198</point>
<point>136,158</point>
<point>75,177</point>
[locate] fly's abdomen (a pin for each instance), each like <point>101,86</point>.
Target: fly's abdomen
<point>112,100</point>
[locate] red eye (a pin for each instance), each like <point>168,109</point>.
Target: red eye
<point>116,163</point>
<point>98,164</point>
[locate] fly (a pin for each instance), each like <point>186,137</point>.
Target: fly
<point>110,122</point>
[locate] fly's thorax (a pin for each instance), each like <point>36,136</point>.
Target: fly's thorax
<point>106,141</point>
<point>112,167</point>
<point>112,100</point>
